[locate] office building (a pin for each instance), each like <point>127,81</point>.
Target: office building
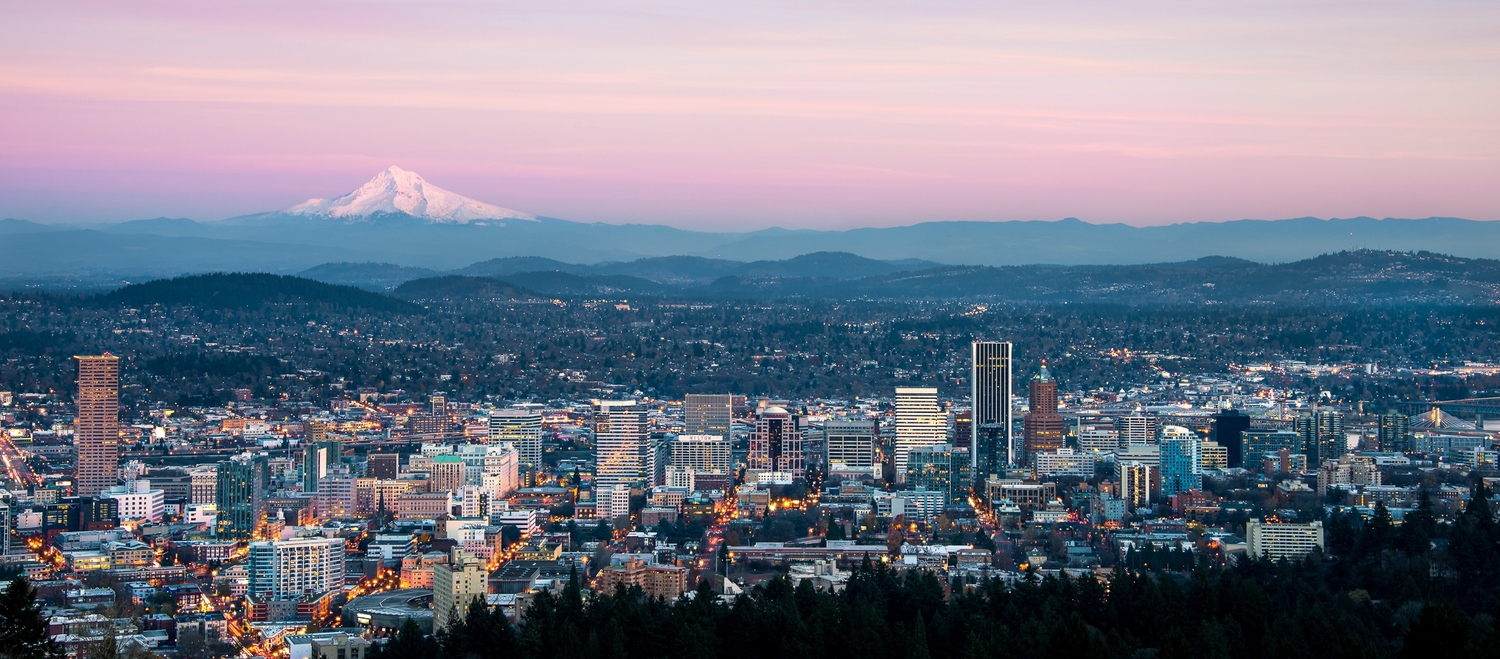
<point>96,426</point>
<point>776,443</point>
<point>1138,484</point>
<point>1227,428</point>
<point>851,444</point>
<point>137,500</point>
<point>941,468</point>
<point>1322,435</point>
<point>523,430</point>
<point>1181,461</point>
<point>1394,432</point>
<point>963,429</point>
<point>456,584</point>
<point>205,484</point>
<point>708,414</point>
<point>384,466</point>
<point>1045,429</point>
<point>1097,435</point>
<point>319,458</point>
<point>620,434</point>
<point>1063,462</point>
<point>337,497</point>
<point>240,495</point>
<point>703,454</point>
<point>439,401</point>
<point>1277,541</point>
<point>990,396</point>
<point>448,473</point>
<point>1137,428</point>
<point>919,422</point>
<point>286,569</point>
<point>1259,443</point>
<point>1215,456</point>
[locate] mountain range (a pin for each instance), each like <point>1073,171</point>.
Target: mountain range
<point>399,218</point>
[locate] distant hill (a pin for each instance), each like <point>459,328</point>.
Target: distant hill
<point>460,287</point>
<point>249,291</point>
<point>370,276</point>
<point>288,243</point>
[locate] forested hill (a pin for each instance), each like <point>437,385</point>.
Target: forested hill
<point>251,290</point>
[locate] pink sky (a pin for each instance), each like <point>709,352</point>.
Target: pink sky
<point>711,116</point>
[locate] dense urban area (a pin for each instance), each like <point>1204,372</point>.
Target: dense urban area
<point>258,466</point>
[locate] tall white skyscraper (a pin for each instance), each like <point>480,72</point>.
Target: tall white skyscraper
<point>704,454</point>
<point>851,443</point>
<point>919,422</point>
<point>523,429</point>
<point>620,445</point>
<point>992,438</point>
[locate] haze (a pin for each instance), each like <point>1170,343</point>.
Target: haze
<point>706,116</point>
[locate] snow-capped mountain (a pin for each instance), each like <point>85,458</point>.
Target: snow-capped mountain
<point>397,191</point>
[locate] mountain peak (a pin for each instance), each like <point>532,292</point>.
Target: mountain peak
<point>398,191</point>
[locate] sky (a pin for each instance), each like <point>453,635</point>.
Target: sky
<point>737,116</point>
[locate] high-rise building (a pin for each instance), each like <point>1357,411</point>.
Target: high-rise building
<point>1045,428</point>
<point>1181,463</point>
<point>1138,484</point>
<point>1227,427</point>
<point>319,457</point>
<point>96,426</point>
<point>523,429</point>
<point>941,468</point>
<point>205,484</point>
<point>620,433</point>
<point>776,443</point>
<point>455,585</point>
<point>851,444</point>
<point>439,402</point>
<point>990,394</point>
<point>703,454</point>
<point>963,428</point>
<point>1322,435</point>
<point>1394,432</point>
<point>287,569</point>
<point>919,422</point>
<point>708,414</point>
<point>1137,428</point>
<point>1097,435</point>
<point>448,473</point>
<point>337,497</point>
<point>240,495</point>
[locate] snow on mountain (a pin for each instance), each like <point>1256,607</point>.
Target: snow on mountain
<point>396,190</point>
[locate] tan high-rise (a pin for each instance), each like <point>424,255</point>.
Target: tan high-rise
<point>96,428</point>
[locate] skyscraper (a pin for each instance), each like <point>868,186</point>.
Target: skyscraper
<point>319,456</point>
<point>708,414</point>
<point>1137,428</point>
<point>1395,432</point>
<point>941,468</point>
<point>1181,463</point>
<point>1045,428</point>
<point>919,422</point>
<point>776,443</point>
<point>240,495</point>
<point>703,454</point>
<point>96,427</point>
<point>1322,434</point>
<point>1228,427</point>
<point>851,444</point>
<point>619,445</point>
<point>522,428</point>
<point>992,446</point>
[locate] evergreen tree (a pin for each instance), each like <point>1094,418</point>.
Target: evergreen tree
<point>23,632</point>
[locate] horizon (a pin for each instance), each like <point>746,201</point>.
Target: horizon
<point>734,119</point>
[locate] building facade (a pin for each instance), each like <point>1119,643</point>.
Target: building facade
<point>96,426</point>
<point>919,422</point>
<point>990,396</point>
